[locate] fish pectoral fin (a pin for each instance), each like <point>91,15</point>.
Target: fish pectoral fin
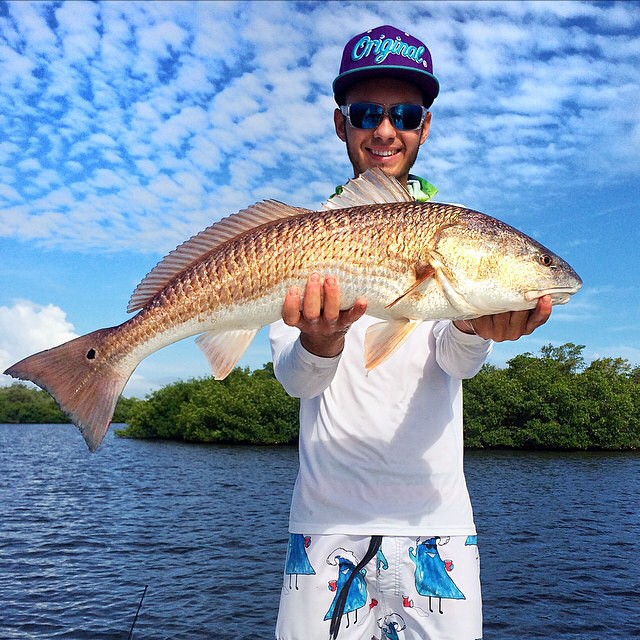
<point>383,338</point>
<point>424,272</point>
<point>223,350</point>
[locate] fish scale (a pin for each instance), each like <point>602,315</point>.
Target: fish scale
<point>412,262</point>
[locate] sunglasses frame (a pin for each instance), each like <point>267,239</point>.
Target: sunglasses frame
<point>345,109</point>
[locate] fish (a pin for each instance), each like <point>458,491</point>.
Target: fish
<point>412,261</point>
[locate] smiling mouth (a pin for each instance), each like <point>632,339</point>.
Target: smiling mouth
<point>383,154</point>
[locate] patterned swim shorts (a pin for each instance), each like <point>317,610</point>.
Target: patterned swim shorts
<point>425,588</point>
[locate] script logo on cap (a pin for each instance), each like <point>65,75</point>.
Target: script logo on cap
<point>382,47</point>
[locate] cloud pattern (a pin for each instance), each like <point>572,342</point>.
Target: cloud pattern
<point>133,125</point>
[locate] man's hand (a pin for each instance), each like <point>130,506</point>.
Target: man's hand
<point>510,325</point>
<point>322,325</point>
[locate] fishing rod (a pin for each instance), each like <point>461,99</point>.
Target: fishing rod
<point>146,586</point>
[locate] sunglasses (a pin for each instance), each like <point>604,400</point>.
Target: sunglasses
<point>368,115</point>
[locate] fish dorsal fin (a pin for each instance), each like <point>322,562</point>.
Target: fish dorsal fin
<point>194,249</point>
<point>374,186</point>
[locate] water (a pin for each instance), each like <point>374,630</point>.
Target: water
<point>205,528</point>
<point>559,543</point>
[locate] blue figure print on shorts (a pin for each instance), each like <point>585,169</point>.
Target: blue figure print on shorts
<point>381,562</point>
<point>357,596</point>
<point>472,541</point>
<point>391,626</point>
<point>432,572</point>
<point>297,560</point>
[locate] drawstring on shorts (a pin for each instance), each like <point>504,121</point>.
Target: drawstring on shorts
<point>341,600</point>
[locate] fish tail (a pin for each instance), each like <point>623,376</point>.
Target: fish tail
<point>85,384</point>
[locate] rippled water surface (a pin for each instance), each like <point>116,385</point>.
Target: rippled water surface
<point>205,528</point>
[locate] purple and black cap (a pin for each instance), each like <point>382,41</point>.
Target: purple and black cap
<point>386,51</point>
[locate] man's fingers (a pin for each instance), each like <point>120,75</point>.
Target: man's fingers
<point>355,313</point>
<point>331,300</point>
<point>291,307</point>
<point>318,309</point>
<point>514,324</point>
<point>312,300</point>
<point>540,314</point>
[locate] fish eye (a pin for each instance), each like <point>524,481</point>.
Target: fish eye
<point>545,260</point>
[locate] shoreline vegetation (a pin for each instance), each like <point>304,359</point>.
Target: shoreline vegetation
<point>550,401</point>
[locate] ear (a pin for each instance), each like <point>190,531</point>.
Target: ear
<point>426,126</point>
<point>339,122</point>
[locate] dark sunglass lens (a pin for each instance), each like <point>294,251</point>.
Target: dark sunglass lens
<point>364,115</point>
<point>406,116</point>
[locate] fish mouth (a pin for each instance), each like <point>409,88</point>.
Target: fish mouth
<point>558,295</point>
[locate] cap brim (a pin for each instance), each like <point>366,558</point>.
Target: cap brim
<point>424,80</point>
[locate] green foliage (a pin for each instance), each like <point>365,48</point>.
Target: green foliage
<point>124,408</point>
<point>20,404</point>
<point>554,402</point>
<point>246,407</point>
<point>550,401</point>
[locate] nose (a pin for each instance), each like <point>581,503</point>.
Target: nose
<point>385,130</point>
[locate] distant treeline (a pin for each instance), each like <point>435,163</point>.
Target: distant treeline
<point>20,404</point>
<point>550,401</point>
<point>247,407</point>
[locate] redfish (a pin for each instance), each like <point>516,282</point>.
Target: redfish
<point>412,261</point>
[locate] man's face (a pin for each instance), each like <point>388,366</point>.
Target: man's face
<point>393,150</point>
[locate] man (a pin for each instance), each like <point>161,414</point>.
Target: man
<point>381,520</point>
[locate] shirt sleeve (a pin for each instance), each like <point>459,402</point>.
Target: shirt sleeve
<point>302,374</point>
<point>459,354</point>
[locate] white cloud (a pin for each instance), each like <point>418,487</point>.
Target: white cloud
<point>107,179</point>
<point>9,193</point>
<point>204,153</point>
<point>33,27</point>
<point>30,164</point>
<point>7,150</point>
<point>182,125</point>
<point>101,140</point>
<point>77,27</point>
<point>26,328</point>
<point>18,69</point>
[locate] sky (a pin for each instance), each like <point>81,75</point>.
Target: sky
<point>127,127</point>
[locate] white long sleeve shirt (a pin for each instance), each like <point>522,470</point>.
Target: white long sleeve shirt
<point>381,452</point>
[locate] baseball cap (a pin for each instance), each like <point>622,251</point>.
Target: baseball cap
<point>386,51</point>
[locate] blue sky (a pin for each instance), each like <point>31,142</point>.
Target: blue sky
<point>126,127</point>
